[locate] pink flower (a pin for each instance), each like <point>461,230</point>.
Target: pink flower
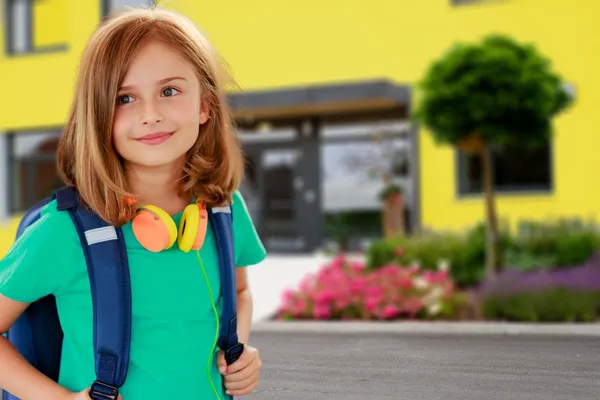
<point>374,291</point>
<point>357,286</point>
<point>390,311</point>
<point>357,267</point>
<point>299,307</point>
<point>396,297</point>
<point>338,262</point>
<point>322,312</point>
<point>435,277</point>
<point>287,296</point>
<point>324,297</point>
<point>443,274</point>
<point>384,293</point>
<point>342,303</point>
<point>372,302</point>
<point>406,283</point>
<point>371,305</point>
<point>412,306</point>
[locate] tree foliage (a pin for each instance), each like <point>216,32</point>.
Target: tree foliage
<point>500,90</point>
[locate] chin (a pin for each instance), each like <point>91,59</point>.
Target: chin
<point>168,153</point>
<point>156,160</point>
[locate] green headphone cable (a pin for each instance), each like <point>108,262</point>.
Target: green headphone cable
<point>217,330</point>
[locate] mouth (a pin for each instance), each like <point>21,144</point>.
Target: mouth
<point>155,138</point>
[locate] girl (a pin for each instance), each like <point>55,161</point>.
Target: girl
<point>149,125</point>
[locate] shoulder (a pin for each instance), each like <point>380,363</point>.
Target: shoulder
<point>242,214</point>
<point>39,261</point>
<point>52,226</point>
<point>51,234</point>
<point>248,245</point>
<point>238,202</point>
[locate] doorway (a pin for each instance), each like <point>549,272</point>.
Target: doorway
<point>276,192</point>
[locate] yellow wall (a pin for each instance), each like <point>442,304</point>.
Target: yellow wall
<point>43,83</point>
<point>8,230</point>
<point>50,23</point>
<point>568,34</point>
<point>270,43</point>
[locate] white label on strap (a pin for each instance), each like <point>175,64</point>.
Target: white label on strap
<point>100,235</point>
<point>222,209</point>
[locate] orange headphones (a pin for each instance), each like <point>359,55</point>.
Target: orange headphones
<point>156,231</point>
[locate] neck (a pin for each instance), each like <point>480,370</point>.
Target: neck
<point>157,186</point>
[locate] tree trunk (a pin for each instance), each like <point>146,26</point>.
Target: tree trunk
<point>393,216</point>
<point>493,249</point>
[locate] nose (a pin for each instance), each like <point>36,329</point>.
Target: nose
<point>150,115</point>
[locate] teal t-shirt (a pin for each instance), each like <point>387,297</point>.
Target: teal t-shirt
<point>174,325</point>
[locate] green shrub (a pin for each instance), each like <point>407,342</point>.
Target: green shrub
<point>474,257</point>
<point>454,306</point>
<point>464,253</point>
<point>426,250</point>
<point>537,245</point>
<point>524,261</point>
<point>429,250</point>
<point>575,249</point>
<point>381,252</point>
<point>550,305</point>
<point>558,243</point>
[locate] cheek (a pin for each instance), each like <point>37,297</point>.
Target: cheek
<point>186,115</point>
<point>120,129</point>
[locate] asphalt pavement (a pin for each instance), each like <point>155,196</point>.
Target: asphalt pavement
<point>304,365</point>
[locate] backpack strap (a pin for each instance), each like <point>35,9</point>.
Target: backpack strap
<point>108,269</point>
<point>222,223</point>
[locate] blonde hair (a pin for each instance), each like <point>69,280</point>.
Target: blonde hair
<point>87,158</point>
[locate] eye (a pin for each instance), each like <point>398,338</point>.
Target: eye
<point>170,92</point>
<point>125,99</point>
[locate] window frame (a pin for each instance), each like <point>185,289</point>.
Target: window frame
<point>9,42</point>
<point>13,207</point>
<point>458,3</point>
<point>517,190</point>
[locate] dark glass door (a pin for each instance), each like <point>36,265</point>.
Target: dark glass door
<point>270,189</point>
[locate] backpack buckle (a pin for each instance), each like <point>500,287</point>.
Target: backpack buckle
<point>233,353</point>
<point>102,391</point>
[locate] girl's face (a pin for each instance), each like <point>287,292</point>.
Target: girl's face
<point>158,109</point>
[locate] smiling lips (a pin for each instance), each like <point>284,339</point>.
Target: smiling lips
<point>155,138</point>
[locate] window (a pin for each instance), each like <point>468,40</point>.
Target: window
<point>109,6</point>
<point>32,168</point>
<point>461,2</point>
<point>36,26</point>
<point>516,169</point>
<point>348,165</point>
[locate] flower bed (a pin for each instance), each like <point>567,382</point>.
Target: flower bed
<point>560,295</point>
<point>345,289</point>
<point>536,245</point>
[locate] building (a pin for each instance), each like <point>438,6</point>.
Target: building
<point>327,89</point>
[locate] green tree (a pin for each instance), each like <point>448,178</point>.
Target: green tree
<point>495,92</point>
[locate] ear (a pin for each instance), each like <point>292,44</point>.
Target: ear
<point>204,110</point>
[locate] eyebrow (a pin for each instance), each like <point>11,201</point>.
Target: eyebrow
<point>160,82</point>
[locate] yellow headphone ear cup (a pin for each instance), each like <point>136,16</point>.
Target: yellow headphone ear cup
<point>188,227</point>
<point>167,220</point>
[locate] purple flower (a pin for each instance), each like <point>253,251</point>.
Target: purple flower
<point>577,278</point>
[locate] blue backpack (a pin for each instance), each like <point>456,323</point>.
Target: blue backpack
<point>37,333</point>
